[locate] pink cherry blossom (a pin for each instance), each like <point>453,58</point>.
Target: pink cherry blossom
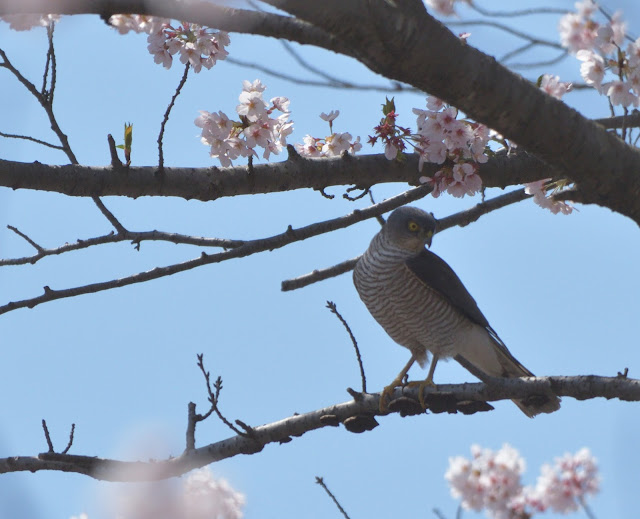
<point>619,93</point>
<point>26,22</point>
<point>331,116</point>
<point>539,191</point>
<point>553,86</point>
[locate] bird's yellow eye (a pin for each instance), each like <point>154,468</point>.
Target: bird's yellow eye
<point>413,226</point>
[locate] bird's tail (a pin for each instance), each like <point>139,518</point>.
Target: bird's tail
<point>496,360</point>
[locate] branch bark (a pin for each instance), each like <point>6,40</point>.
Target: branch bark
<point>282,431</point>
<point>294,173</point>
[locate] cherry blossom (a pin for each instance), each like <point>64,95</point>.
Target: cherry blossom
<point>206,497</point>
<point>196,45</point>
<point>491,481</point>
<point>258,127</point>
<point>26,22</point>
<point>332,145</point>
<point>539,191</point>
<point>553,86</point>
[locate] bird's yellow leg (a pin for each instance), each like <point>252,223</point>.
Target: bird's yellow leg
<point>397,382</point>
<point>426,382</point>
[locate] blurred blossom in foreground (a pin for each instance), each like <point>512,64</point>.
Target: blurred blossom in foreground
<point>26,22</point>
<point>200,496</point>
<point>490,481</point>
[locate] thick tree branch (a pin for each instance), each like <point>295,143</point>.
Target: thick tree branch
<point>204,13</point>
<point>295,173</point>
<point>602,165</point>
<point>282,431</point>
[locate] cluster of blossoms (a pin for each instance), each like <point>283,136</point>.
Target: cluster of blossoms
<point>600,48</point>
<point>198,46</point>
<point>230,139</point>
<point>490,481</point>
<point>26,22</point>
<point>202,497</point>
<point>539,190</point>
<point>332,145</point>
<point>440,137</point>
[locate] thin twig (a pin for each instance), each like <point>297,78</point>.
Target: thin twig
<point>438,513</point>
<point>521,12</point>
<point>26,238</point>
<point>507,29</point>
<point>395,87</point>
<point>320,481</point>
<point>214,398</point>
<point>334,310</point>
<point>33,139</point>
<point>47,435</point>
<point>461,219</point>
<point>248,248</point>
<point>587,510</point>
<point>135,238</point>
<point>183,80</point>
<point>109,215</point>
<point>73,430</point>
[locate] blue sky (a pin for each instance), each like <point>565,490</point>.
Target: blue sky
<point>560,290</point>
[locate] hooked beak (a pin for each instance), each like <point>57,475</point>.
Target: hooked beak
<point>427,238</point>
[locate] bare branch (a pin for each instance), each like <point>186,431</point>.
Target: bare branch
<point>394,87</point>
<point>320,481</point>
<point>26,238</point>
<point>32,139</point>
<point>248,248</point>
<point>47,435</point>
<point>334,310</point>
<point>183,80</point>
<point>73,430</point>
<point>579,387</point>
<point>461,219</point>
<point>520,12</point>
<point>134,237</point>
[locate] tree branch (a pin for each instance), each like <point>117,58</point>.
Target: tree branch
<point>296,172</point>
<point>246,249</point>
<point>448,396</point>
<point>461,219</point>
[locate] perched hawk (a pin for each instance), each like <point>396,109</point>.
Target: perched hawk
<point>422,304</point>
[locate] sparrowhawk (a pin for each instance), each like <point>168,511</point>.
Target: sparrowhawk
<point>422,304</point>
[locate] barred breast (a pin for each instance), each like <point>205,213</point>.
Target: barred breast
<point>414,315</point>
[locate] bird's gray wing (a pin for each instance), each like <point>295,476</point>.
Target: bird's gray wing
<point>436,274</point>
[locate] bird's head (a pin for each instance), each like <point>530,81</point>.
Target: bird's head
<point>410,228</point>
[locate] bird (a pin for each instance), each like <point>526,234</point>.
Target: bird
<point>421,303</point>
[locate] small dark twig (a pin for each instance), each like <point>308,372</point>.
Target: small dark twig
<point>47,435</point>
<point>380,218</point>
<point>624,373</point>
<point>438,513</point>
<point>324,194</point>
<point>113,151</point>
<point>334,310</point>
<point>109,216</point>
<point>192,420</point>
<point>364,193</point>
<point>73,430</point>
<point>320,481</point>
<point>521,12</point>
<point>32,139</point>
<point>214,398</point>
<point>589,513</point>
<point>183,80</point>
<point>28,240</point>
